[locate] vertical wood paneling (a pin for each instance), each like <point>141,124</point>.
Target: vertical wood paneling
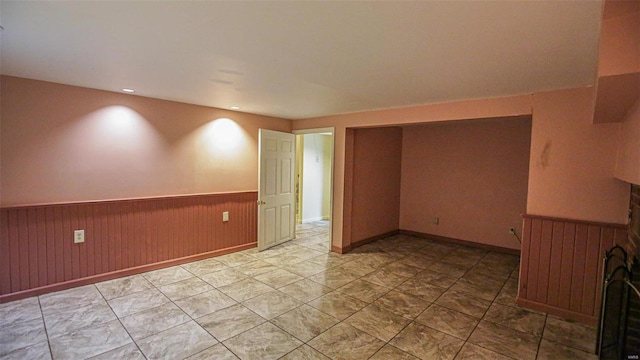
<point>555,263</point>
<point>566,270</point>
<point>579,256</point>
<point>561,264</point>
<point>525,260</point>
<point>37,249</point>
<point>534,256</point>
<point>5,255</point>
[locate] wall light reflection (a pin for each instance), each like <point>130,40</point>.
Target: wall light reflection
<point>223,135</point>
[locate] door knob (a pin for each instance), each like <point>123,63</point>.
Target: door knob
<point>260,202</point>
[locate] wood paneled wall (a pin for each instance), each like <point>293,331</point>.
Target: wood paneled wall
<point>561,265</point>
<point>37,251</point>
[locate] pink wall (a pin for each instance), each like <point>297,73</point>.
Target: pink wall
<point>628,159</point>
<point>376,182</point>
<point>472,175</point>
<point>620,38</point>
<point>469,109</point>
<point>64,143</point>
<point>571,170</point>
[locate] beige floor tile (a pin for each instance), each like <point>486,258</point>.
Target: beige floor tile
<point>448,321</point>
<point>37,351</point>
<point>305,322</point>
<point>305,290</point>
<point>464,303</point>
<point>230,321</point>
<point>552,351</point>
<point>437,279</point>
<point>177,343</point>
<point>69,299</point>
<point>272,304</point>
<point>334,278</point>
<point>389,352</point>
<point>455,270</point>
<point>417,260</point>
<point>420,288</point>
<point>205,303</point>
<point>128,352</point>
<point>357,267</point>
<point>167,275</point>
<point>235,259</point>
<point>255,268</point>
<point>305,268</point>
<point>124,286</point>
<point>344,342</point>
<point>304,352</point>
<point>338,305</point>
<point>508,293</point>
<point>426,343</point>
<point>245,289</point>
<point>264,342</point>
<point>136,302</point>
<point>278,278</point>
<point>331,259</point>
<point>474,352</point>
<point>185,288</point>
<point>202,267</point>
<point>570,334</point>
<point>78,318</point>
<point>216,352</point>
<point>402,269</point>
<point>223,277</point>
<point>385,278</point>
<point>364,290</point>
<point>516,318</point>
<point>505,341</point>
<point>155,320</point>
<point>483,291</point>
<point>20,311</point>
<point>90,341</point>
<point>377,322</point>
<point>21,334</point>
<point>402,304</point>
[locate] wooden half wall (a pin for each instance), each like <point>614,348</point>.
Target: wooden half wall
<point>561,265</point>
<point>122,237</point>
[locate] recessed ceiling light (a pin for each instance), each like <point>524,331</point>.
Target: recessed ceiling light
<point>235,108</point>
<point>130,91</point>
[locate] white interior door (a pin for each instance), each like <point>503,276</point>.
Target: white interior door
<point>276,191</point>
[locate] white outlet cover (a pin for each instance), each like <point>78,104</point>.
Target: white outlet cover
<point>225,216</point>
<point>78,236</point>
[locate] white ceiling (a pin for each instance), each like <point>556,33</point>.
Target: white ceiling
<point>300,59</point>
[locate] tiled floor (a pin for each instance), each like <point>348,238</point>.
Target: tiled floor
<point>397,298</point>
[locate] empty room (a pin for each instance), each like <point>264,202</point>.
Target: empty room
<point>319,180</point>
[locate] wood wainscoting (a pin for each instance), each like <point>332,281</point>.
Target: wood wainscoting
<point>561,265</point>
<point>122,237</point>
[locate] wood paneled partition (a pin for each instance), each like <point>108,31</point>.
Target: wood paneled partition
<point>561,265</point>
<point>121,237</point>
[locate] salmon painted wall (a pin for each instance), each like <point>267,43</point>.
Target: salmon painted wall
<point>470,109</point>
<point>65,144</point>
<point>628,159</point>
<point>472,175</point>
<point>571,170</point>
<point>376,182</point>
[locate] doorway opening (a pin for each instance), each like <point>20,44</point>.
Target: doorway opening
<point>314,182</point>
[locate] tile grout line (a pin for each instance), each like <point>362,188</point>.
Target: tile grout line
<point>44,325</point>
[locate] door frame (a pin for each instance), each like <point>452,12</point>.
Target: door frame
<point>324,130</point>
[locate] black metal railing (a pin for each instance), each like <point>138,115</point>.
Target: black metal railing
<point>619,326</point>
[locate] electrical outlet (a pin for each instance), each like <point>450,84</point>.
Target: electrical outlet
<point>78,236</point>
<point>225,216</point>
<point>512,230</point>
<point>435,220</point>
